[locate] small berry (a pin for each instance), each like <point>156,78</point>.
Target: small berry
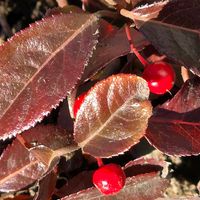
<point>160,77</point>
<point>109,179</point>
<point>78,102</point>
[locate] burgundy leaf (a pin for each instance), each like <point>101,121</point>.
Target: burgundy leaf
<point>172,29</point>
<point>146,165</point>
<point>112,44</point>
<point>141,187</point>
<point>113,116</point>
<point>175,126</point>
<point>64,119</point>
<point>40,66</point>
<point>20,167</point>
<point>46,187</point>
<point>80,182</point>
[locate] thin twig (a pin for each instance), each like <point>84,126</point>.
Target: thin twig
<point>133,49</point>
<point>62,3</point>
<point>184,73</point>
<point>23,141</point>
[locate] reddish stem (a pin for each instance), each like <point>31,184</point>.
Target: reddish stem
<point>99,162</point>
<point>23,141</point>
<point>133,48</point>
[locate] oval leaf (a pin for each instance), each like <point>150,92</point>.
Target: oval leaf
<point>20,167</point>
<point>40,66</point>
<point>141,187</point>
<point>172,29</point>
<point>175,126</point>
<point>113,116</point>
<point>112,44</point>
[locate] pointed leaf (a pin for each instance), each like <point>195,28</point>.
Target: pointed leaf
<point>172,29</point>
<point>20,167</point>
<point>113,116</point>
<point>40,66</point>
<point>175,126</point>
<point>113,43</point>
<point>141,187</point>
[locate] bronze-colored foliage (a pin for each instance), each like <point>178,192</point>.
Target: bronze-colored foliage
<point>114,115</point>
<point>172,29</point>
<point>142,183</point>
<point>40,66</point>
<point>112,44</point>
<point>174,128</point>
<point>21,166</point>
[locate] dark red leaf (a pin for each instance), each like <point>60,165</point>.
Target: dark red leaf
<point>64,119</point>
<point>112,44</point>
<point>80,182</point>
<point>146,165</point>
<point>134,168</point>
<point>46,187</point>
<point>113,116</point>
<point>141,187</point>
<point>175,126</point>
<point>40,66</point>
<point>172,29</point>
<point>20,167</point>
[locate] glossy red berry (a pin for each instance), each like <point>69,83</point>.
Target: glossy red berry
<point>78,102</point>
<point>160,77</point>
<point>109,179</point>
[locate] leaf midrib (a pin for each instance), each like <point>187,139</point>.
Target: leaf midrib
<point>89,21</point>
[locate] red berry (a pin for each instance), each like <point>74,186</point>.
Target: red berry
<point>109,179</point>
<point>78,102</point>
<point>160,77</point>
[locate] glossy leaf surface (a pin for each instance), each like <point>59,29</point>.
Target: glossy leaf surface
<point>40,66</point>
<point>175,126</point>
<point>113,43</point>
<point>172,29</point>
<point>114,115</point>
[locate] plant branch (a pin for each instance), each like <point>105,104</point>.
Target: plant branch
<point>62,3</point>
<point>133,49</point>
<point>184,73</point>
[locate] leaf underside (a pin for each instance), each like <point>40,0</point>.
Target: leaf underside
<point>40,66</point>
<point>113,116</point>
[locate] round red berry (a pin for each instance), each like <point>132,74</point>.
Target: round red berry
<point>78,102</point>
<point>109,179</point>
<point>160,77</point>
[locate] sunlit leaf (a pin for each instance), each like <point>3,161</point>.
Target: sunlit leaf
<point>113,116</point>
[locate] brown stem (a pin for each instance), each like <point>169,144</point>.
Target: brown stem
<point>133,49</point>
<point>62,3</point>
